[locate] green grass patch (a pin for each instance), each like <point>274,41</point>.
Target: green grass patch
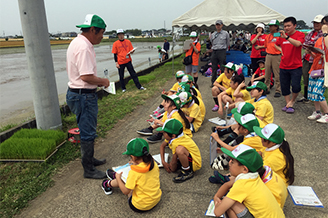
<point>144,79</point>
<point>33,144</point>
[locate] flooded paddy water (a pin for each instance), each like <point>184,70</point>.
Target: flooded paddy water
<point>16,100</point>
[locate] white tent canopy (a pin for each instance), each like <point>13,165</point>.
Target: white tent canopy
<point>232,12</point>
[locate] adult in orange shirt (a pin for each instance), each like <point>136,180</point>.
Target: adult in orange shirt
<point>273,58</point>
<point>195,46</point>
<point>122,50</point>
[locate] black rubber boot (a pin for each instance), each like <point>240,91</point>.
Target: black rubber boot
<point>99,162</point>
<point>87,151</point>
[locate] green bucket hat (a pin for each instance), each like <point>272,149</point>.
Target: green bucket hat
<point>187,78</point>
<point>179,74</point>
<point>184,87</point>
<point>93,20</point>
<point>257,84</point>
<point>274,22</point>
<point>271,132</point>
<point>248,121</point>
<point>247,156</point>
<point>171,126</point>
<point>230,66</point>
<point>174,98</point>
<point>136,147</point>
<point>243,108</point>
<point>185,98</point>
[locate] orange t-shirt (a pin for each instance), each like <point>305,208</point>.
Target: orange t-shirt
<point>318,62</point>
<point>195,56</point>
<point>121,48</point>
<point>269,43</point>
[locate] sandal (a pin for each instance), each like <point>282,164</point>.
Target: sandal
<point>290,110</point>
<point>284,108</point>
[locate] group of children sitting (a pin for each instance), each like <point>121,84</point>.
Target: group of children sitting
<point>255,152</point>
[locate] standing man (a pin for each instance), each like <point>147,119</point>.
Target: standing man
<point>82,86</point>
<point>273,57</point>
<point>122,50</point>
<point>310,39</point>
<point>290,45</point>
<point>220,44</point>
<point>166,47</point>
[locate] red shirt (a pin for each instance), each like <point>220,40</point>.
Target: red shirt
<point>260,41</point>
<point>260,72</point>
<point>195,56</point>
<point>121,48</point>
<point>292,56</point>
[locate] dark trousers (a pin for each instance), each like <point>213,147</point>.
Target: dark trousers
<point>218,57</point>
<point>132,72</point>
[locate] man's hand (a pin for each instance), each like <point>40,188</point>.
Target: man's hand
<point>117,66</point>
<point>167,167</point>
<point>283,34</point>
<point>105,83</point>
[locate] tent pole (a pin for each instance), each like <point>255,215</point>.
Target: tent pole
<point>173,41</point>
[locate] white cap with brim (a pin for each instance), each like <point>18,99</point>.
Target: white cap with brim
<point>261,25</point>
<point>120,31</point>
<point>193,34</point>
<point>318,18</point>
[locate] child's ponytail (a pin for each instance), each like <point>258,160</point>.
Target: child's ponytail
<point>185,120</point>
<point>289,169</point>
<point>147,158</point>
<point>195,99</point>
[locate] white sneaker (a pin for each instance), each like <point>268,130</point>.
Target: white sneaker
<point>124,90</point>
<point>323,119</point>
<point>142,88</point>
<point>314,116</point>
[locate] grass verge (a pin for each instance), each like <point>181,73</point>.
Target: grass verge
<point>22,182</point>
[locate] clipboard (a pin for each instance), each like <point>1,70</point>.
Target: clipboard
<point>213,152</point>
<point>186,44</point>
<point>304,196</point>
<point>313,49</point>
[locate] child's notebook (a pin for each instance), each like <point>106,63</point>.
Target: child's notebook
<point>304,196</point>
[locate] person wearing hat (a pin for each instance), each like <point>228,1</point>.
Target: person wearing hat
<point>263,107</point>
<point>257,41</point>
<point>259,74</point>
<point>277,154</point>
<point>122,50</point>
<point>172,105</point>
<point>248,196</point>
<point>310,39</point>
<point>222,83</point>
<point>190,80</point>
<point>142,184</point>
<point>81,95</point>
<point>194,51</point>
<point>184,150</point>
<point>290,44</point>
<point>160,53</point>
<point>220,41</point>
<point>191,110</point>
<point>272,59</point>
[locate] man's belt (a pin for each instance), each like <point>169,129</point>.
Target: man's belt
<point>82,91</point>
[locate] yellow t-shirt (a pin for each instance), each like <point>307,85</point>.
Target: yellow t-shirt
<point>246,95</point>
<point>175,87</point>
<point>263,108</point>
<point>191,146</point>
<point>256,197</point>
<point>278,188</point>
<point>146,187</point>
<point>276,160</point>
<point>177,116</point>
<point>253,141</point>
<point>194,112</point>
<point>202,108</point>
<point>230,92</point>
<point>223,79</point>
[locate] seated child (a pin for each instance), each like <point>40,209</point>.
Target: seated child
<point>190,80</point>
<point>263,107</point>
<point>274,182</point>
<point>248,196</point>
<point>259,74</point>
<point>236,93</point>
<point>172,110</point>
<point>222,83</point>
<point>142,184</point>
<point>185,152</point>
<point>277,153</point>
<point>191,110</point>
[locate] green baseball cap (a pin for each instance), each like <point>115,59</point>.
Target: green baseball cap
<point>184,87</point>
<point>193,34</point>
<point>257,84</point>
<point>187,78</point>
<point>243,108</point>
<point>185,98</point>
<point>230,66</point>
<point>171,126</point>
<point>271,132</point>
<point>159,47</point>
<point>274,22</point>
<point>248,121</point>
<point>136,147</point>
<point>174,98</point>
<point>179,74</point>
<point>93,20</point>
<point>247,156</point>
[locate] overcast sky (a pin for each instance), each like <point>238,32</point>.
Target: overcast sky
<point>63,15</point>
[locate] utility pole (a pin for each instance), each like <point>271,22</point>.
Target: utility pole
<point>40,64</point>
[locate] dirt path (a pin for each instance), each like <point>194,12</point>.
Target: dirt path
<point>74,196</point>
